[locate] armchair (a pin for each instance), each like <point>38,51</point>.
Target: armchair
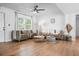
<point>63,36</point>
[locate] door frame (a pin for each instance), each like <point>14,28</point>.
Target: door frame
<point>4,23</point>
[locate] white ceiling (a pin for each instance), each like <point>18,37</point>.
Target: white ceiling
<point>23,7</point>
<point>69,8</point>
<point>17,6</point>
<point>66,8</point>
<point>27,7</point>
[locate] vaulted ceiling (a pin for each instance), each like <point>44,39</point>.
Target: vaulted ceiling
<point>66,8</point>
<point>18,6</point>
<point>69,8</point>
<point>23,7</point>
<point>27,7</point>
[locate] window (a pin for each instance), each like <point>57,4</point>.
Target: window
<point>24,22</point>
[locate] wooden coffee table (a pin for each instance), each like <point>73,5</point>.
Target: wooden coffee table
<point>39,38</point>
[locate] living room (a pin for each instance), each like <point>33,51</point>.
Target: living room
<point>36,25</point>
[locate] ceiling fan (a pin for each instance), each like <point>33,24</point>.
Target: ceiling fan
<point>36,9</point>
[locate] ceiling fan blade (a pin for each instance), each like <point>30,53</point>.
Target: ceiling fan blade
<point>40,9</point>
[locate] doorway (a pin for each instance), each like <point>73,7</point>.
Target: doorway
<point>77,26</point>
<point>2,27</point>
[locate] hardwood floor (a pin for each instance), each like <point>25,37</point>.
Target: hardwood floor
<point>31,48</point>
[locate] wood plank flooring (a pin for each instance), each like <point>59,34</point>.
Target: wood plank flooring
<point>31,48</point>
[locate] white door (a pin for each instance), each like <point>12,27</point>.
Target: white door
<point>2,28</point>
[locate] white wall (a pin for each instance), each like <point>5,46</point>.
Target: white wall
<point>71,19</point>
<point>44,17</point>
<point>34,23</point>
<point>70,10</point>
<point>51,11</point>
<point>48,26</point>
<point>9,19</point>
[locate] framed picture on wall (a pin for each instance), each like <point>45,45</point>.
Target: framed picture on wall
<point>52,20</point>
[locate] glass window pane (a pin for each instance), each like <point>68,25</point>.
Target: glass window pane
<point>24,22</point>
